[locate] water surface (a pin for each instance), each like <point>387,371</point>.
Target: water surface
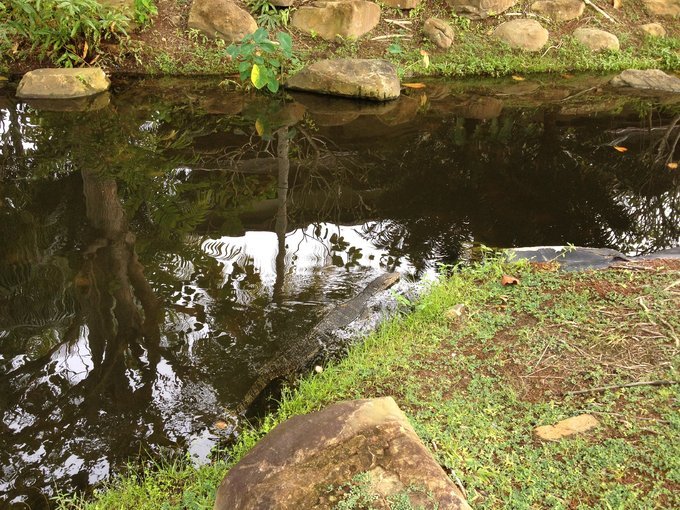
<point>160,244</point>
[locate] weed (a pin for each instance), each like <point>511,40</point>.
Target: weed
<point>268,16</point>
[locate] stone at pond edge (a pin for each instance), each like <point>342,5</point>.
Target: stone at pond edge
<point>559,10</point>
<point>525,34</point>
<point>62,83</point>
<point>653,30</point>
<point>477,9</point>
<point>221,19</point>
<point>294,465</point>
<point>439,32</point>
<point>597,40</point>
<point>372,79</point>
<point>330,19</point>
<point>566,428</point>
<point>650,79</point>
<point>669,8</point>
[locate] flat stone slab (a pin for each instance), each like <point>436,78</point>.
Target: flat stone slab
<point>330,19</point>
<point>570,259</point>
<point>62,83</point>
<point>566,428</point>
<point>524,34</point>
<point>293,466</point>
<point>371,79</point>
<point>650,79</point>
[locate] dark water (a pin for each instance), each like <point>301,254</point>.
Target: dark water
<point>157,250</point>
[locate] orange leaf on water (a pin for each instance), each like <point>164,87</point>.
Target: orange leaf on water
<point>517,77</point>
<point>509,280</point>
<point>221,425</point>
<point>620,149</point>
<point>673,165</point>
<point>414,85</point>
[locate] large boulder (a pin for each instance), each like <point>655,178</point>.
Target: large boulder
<point>651,79</point>
<point>597,40</point>
<point>221,19</point>
<point>330,19</point>
<point>62,83</point>
<point>480,8</point>
<point>525,34</point>
<point>299,463</point>
<point>439,32</point>
<point>663,7</point>
<point>559,10</point>
<point>372,79</point>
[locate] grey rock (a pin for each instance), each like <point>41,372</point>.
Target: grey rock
<point>525,34</point>
<point>292,467</point>
<point>330,19</point>
<point>221,19</point>
<point>62,83</point>
<point>597,40</point>
<point>439,32</point>
<point>482,8</point>
<point>372,79</point>
<point>559,10</point>
<point>650,79</point>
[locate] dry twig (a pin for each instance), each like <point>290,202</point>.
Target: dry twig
<point>619,386</point>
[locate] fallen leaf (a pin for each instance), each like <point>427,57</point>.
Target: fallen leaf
<point>221,425</point>
<point>620,149</point>
<point>517,77</point>
<point>567,76</point>
<point>617,4</point>
<point>414,85</point>
<point>673,165</point>
<point>85,48</point>
<point>426,58</point>
<point>509,280</point>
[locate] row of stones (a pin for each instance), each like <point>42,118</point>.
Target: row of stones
<point>330,19</point>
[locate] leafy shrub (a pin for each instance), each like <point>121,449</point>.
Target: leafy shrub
<point>144,10</point>
<point>268,16</point>
<point>263,62</point>
<point>66,31</point>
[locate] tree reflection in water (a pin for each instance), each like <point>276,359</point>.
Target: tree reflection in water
<point>155,255</point>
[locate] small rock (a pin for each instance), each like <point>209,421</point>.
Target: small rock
<point>293,466</point>
<point>281,3</point>
<point>402,4</point>
<point>525,34</point>
<point>439,32</point>
<point>221,19</point>
<point>318,369</point>
<point>372,79</point>
<point>651,79</point>
<point>559,10</point>
<point>330,19</point>
<point>481,8</point>
<point>597,40</point>
<point>127,6</point>
<point>455,312</point>
<point>566,428</point>
<point>62,83</point>
<point>670,8</point>
<point>654,30</point>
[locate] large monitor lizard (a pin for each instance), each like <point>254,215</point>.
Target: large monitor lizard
<point>300,353</point>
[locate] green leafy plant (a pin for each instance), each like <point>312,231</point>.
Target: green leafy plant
<point>66,31</point>
<point>144,10</point>
<point>268,16</point>
<point>263,62</point>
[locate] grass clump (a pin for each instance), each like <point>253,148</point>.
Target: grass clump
<point>66,32</point>
<point>475,386</point>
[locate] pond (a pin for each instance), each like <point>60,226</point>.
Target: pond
<point>163,242</point>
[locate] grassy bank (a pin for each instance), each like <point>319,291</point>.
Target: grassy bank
<point>475,386</point>
<point>155,39</point>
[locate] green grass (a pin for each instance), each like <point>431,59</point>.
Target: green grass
<point>475,387</point>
